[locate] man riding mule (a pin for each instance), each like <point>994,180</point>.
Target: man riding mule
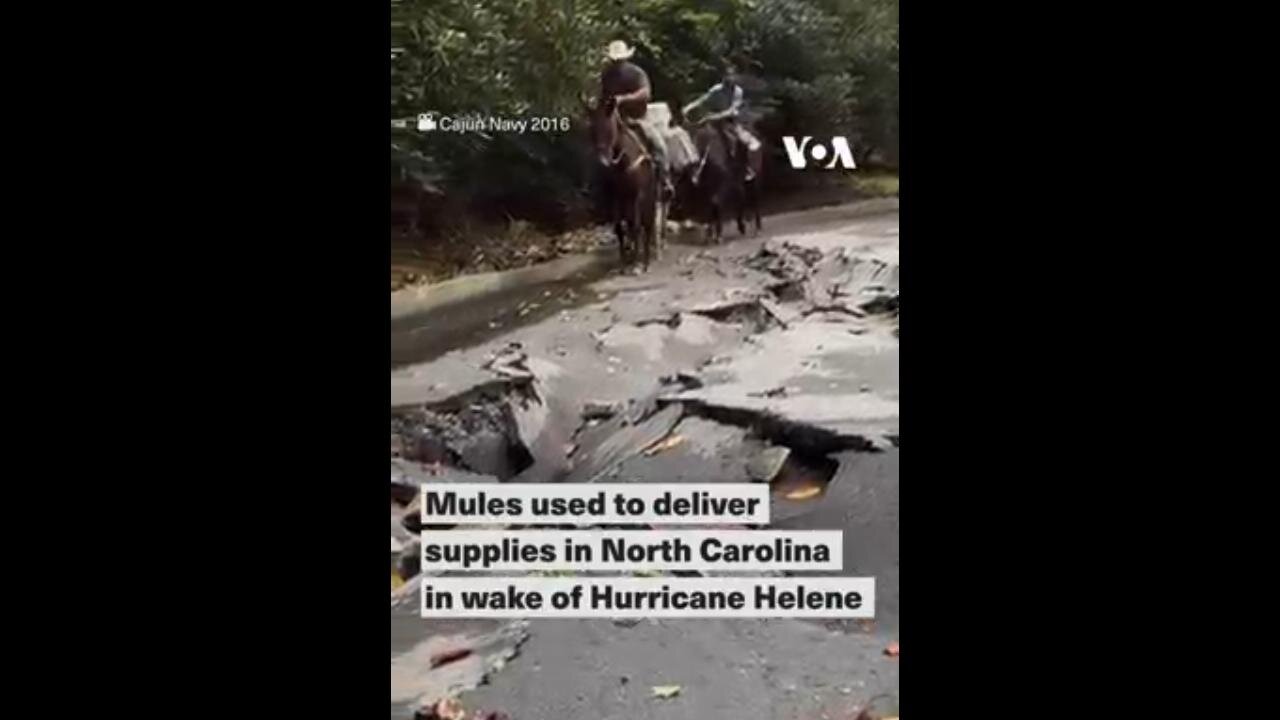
<point>628,85</point>
<point>725,106</point>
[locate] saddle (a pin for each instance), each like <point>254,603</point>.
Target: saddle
<point>679,148</point>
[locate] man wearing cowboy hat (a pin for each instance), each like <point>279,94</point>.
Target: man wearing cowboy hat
<point>628,84</point>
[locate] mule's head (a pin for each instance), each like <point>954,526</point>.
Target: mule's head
<point>602,119</point>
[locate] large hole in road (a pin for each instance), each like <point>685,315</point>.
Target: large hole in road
<point>804,476</point>
<point>476,431</point>
<point>803,439</point>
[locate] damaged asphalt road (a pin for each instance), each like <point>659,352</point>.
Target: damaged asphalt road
<point>773,359</point>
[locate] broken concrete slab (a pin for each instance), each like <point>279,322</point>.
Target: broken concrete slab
<point>488,429</point>
<point>784,316</point>
<point>792,290</point>
<point>785,260</point>
<point>753,314</point>
<point>709,452</point>
<point>839,385</point>
<point>792,655</point>
<point>654,338</point>
<point>596,410</point>
<point>443,379</point>
<point>764,465</point>
<point>595,457</point>
<point>408,476</point>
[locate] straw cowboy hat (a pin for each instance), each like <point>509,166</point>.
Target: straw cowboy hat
<point>618,50</point>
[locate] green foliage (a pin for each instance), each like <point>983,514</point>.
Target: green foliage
<point>815,67</point>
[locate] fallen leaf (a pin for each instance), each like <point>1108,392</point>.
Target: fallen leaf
<point>892,650</point>
<point>666,691</point>
<point>447,656</point>
<point>397,582</point>
<point>445,709</point>
<point>804,493</point>
<point>665,444</point>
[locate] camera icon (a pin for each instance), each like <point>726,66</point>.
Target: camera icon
<point>426,122</point>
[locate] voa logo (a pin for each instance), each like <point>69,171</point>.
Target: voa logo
<point>799,153</point>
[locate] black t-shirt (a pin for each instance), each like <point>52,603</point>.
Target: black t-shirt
<point>622,78</point>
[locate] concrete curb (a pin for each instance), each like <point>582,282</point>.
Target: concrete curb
<point>860,208</point>
<point>423,299</point>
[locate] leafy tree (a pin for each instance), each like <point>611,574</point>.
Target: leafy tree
<point>813,67</point>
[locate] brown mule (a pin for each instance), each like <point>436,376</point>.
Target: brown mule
<point>630,181</point>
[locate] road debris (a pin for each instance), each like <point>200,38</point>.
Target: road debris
<point>672,321</point>
<point>771,411</point>
<point>892,649</point>
<point>766,464</point>
<point>839,308</point>
<point>662,445</point>
<point>666,691</point>
<point>804,493</point>
<point>786,261</point>
<point>886,303</point>
<point>447,656</point>
<point>788,290</point>
<point>599,410</point>
<point>487,430</point>
<point>688,380</point>
<point>444,709</point>
<point>603,447</point>
<point>752,313</point>
<point>783,317</point>
<point>510,361</point>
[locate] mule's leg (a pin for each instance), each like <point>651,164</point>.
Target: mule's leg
<point>642,232</point>
<point>660,211</point>
<point>740,195</point>
<point>619,231</point>
<point>716,223</point>
<point>635,224</point>
<point>753,196</point>
<point>649,210</point>
<point>629,240</point>
<point>710,212</point>
<point>661,206</point>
